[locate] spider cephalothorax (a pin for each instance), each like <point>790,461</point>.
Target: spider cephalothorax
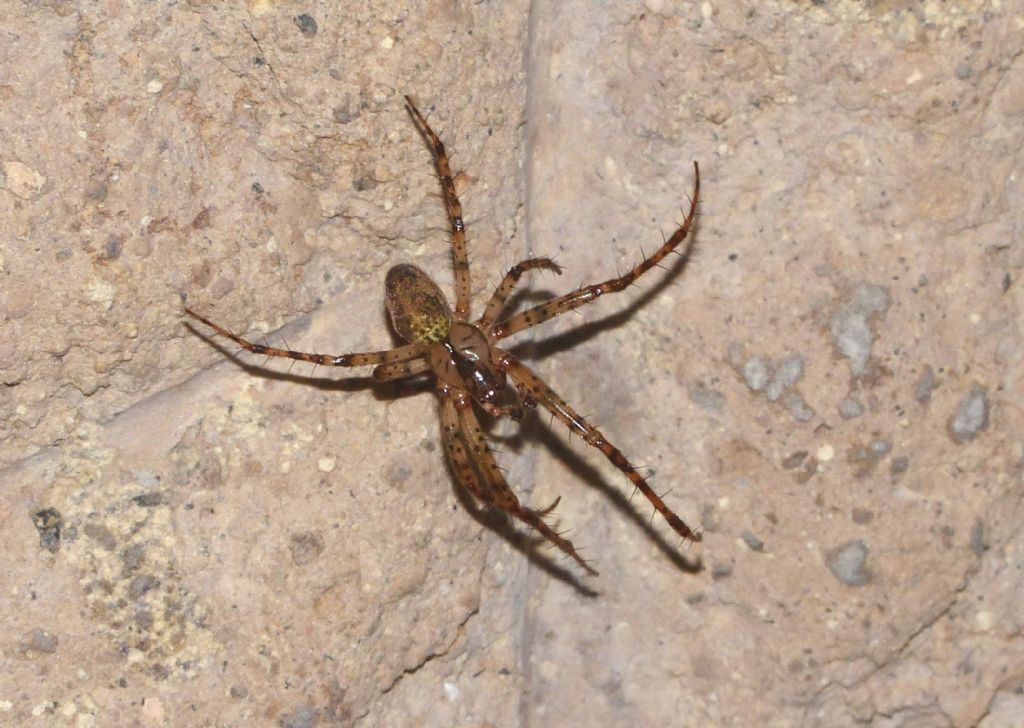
<point>466,361</point>
<point>471,369</point>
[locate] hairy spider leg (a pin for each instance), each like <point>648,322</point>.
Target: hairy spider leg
<point>508,283</point>
<point>391,356</point>
<point>458,451</point>
<point>587,294</point>
<point>542,393</point>
<point>399,370</point>
<point>452,205</point>
<point>503,497</point>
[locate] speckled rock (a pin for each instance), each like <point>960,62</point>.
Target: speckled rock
<point>826,384</point>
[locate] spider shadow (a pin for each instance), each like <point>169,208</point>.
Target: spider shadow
<point>533,429</point>
<point>574,337</point>
<point>493,520</point>
<point>382,391</point>
<point>592,476</point>
<point>525,543</point>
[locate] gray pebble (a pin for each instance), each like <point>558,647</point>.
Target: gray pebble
<point>707,398</point>
<point>101,534</point>
<point>880,448</point>
<point>39,640</point>
<point>978,543</point>
<point>48,523</point>
<point>113,247</point>
<point>755,372</point>
<point>794,460</point>
<point>143,620</point>
<point>925,385</point>
<point>305,717</point>
<point>870,299</point>
<point>133,557</point>
<point>753,542</point>
<point>149,500</point>
<point>141,584</point>
<point>798,407</point>
<point>899,466</point>
<point>846,563</point>
<point>343,115</point>
<point>850,408</point>
<point>971,416</point>
<point>306,547</point>
<point>851,330</point>
<point>786,375</point>
<point>306,24</point>
<point>96,191</point>
<point>721,571</point>
<point>398,471</point>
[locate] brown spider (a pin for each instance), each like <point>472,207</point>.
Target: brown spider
<point>469,366</point>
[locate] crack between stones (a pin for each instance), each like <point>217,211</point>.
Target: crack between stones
<point>459,633</point>
<point>896,654</point>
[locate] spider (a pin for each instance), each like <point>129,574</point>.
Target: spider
<point>469,367</point>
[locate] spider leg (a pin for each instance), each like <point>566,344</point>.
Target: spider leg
<point>452,205</point>
<point>503,496</point>
<point>561,409</point>
<point>391,356</point>
<point>458,452</point>
<point>587,294</point>
<point>398,370</point>
<point>545,511</point>
<point>508,283</point>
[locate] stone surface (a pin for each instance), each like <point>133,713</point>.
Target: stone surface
<point>830,388</point>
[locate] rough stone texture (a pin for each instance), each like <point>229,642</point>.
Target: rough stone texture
<point>193,539</point>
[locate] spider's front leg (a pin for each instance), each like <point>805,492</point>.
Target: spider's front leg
<point>452,205</point>
<point>457,449</point>
<point>535,388</point>
<point>387,358</point>
<point>466,447</point>
<point>400,370</point>
<point>508,283</point>
<point>588,294</point>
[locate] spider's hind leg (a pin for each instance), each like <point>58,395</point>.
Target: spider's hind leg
<point>561,409</point>
<point>459,452</point>
<point>464,432</point>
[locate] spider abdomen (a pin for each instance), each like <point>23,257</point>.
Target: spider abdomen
<point>418,309</point>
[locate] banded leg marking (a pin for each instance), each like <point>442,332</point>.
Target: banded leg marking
<point>588,294</point>
<point>453,206</point>
<point>504,497</point>
<point>508,284</point>
<point>399,354</point>
<point>543,394</point>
